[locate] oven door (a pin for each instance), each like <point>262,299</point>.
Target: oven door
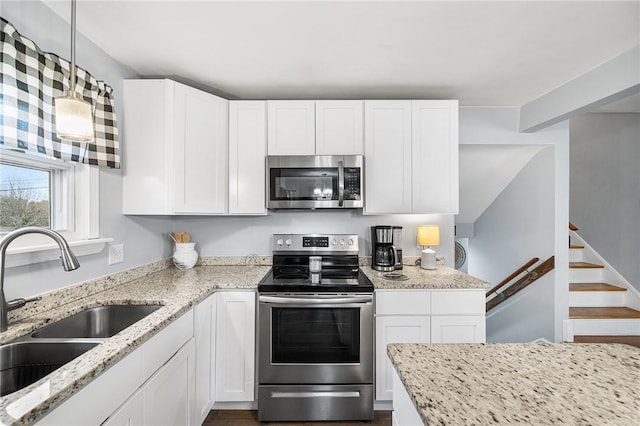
<point>319,339</point>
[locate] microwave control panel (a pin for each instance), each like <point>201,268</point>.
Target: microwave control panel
<point>352,183</point>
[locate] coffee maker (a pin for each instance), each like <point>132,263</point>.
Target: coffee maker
<point>384,254</point>
<point>397,243</point>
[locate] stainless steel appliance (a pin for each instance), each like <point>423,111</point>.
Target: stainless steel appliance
<point>315,341</point>
<point>397,243</point>
<point>383,253</point>
<point>314,182</point>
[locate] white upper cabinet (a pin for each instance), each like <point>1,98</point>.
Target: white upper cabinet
<point>315,127</point>
<point>434,146</point>
<point>411,156</point>
<point>175,154</point>
<point>291,127</point>
<point>247,151</point>
<point>339,128</point>
<point>387,150</point>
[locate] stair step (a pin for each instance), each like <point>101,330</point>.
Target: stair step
<point>584,265</point>
<point>594,287</point>
<point>575,246</point>
<point>603,313</point>
<point>629,340</point>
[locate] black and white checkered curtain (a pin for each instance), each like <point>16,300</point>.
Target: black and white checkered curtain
<point>29,81</point>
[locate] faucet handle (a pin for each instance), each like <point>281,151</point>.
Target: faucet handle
<point>19,303</point>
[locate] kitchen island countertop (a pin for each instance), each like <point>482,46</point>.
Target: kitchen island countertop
<point>443,277</point>
<point>521,383</point>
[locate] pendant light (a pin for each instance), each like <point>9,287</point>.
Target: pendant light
<point>74,120</point>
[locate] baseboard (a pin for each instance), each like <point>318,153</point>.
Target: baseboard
<point>235,405</point>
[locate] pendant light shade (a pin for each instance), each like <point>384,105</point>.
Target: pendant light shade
<point>74,119</point>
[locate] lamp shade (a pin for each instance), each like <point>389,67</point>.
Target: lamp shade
<point>428,235</point>
<point>74,120</point>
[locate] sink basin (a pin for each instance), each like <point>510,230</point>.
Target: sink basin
<point>24,363</point>
<point>98,322</point>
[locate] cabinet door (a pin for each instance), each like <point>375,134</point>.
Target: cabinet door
<point>205,317</point>
<point>435,156</point>
<point>200,159</point>
<point>146,181</point>
<point>387,149</point>
<point>169,394</point>
<point>458,329</point>
<point>339,128</point>
<point>129,414</point>
<point>235,346</point>
<point>247,151</point>
<point>291,127</point>
<point>395,329</point>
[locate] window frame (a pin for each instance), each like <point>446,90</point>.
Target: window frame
<point>75,205</point>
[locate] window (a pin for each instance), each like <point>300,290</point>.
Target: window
<point>41,191</point>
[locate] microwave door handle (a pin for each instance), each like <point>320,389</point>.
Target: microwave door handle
<point>340,183</point>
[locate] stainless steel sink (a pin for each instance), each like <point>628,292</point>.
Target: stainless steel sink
<point>98,322</point>
<point>24,363</point>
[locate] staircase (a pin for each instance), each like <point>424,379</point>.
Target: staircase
<point>603,306</point>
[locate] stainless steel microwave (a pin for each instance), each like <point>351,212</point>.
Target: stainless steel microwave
<point>315,181</point>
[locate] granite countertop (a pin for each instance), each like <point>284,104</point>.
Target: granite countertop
<point>443,277</point>
<point>521,383</point>
<point>177,290</point>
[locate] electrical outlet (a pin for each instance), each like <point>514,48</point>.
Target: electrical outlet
<point>116,253</point>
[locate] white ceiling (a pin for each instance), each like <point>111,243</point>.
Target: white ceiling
<point>482,53</point>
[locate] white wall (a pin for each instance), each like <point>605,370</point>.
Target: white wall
<point>605,187</point>
<point>518,226</point>
<point>499,125</point>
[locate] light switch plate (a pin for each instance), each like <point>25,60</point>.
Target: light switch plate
<point>116,253</point>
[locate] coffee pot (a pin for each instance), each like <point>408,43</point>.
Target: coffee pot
<point>384,254</point>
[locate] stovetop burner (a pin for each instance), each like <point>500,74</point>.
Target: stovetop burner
<point>340,270</point>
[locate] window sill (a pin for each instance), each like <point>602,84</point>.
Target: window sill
<point>44,252</point>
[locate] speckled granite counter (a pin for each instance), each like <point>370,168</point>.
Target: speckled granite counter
<point>528,383</point>
<point>442,277</point>
<point>175,289</point>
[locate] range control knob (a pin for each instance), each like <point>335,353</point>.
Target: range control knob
<point>350,241</point>
<point>342,242</point>
<point>334,242</point>
<point>280,242</point>
<point>288,242</point>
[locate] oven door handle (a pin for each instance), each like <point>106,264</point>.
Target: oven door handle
<point>340,183</point>
<point>288,300</point>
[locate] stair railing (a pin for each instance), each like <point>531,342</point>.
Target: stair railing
<point>526,280</point>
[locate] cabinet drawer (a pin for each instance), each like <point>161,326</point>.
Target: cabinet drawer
<point>402,302</point>
<point>166,343</point>
<point>457,302</point>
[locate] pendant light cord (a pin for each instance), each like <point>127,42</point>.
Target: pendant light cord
<point>72,77</point>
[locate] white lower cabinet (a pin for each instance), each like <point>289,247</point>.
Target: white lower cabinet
<point>235,346</point>
<point>129,414</point>
<point>168,396</point>
<point>424,316</point>
<point>205,335</point>
<point>395,329</point>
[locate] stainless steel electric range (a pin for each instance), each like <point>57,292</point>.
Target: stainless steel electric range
<point>315,331</point>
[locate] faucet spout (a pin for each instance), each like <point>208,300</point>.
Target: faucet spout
<point>69,263</point>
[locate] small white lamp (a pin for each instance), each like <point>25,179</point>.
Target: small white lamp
<point>428,235</point>
<point>74,120</point>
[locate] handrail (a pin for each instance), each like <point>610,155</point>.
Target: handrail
<point>572,227</point>
<point>522,283</point>
<point>512,276</point>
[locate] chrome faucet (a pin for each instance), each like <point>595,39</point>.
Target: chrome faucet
<point>69,263</point>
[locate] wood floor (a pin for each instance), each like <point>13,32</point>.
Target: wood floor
<point>249,418</point>
<point>629,340</point>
